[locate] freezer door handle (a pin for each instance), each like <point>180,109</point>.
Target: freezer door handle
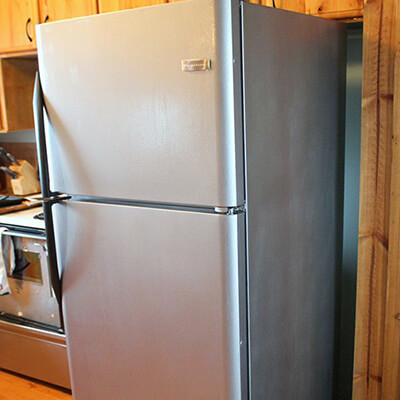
<point>38,106</point>
<point>38,110</point>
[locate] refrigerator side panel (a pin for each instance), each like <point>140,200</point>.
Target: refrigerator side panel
<point>293,78</point>
<point>151,302</point>
<point>141,104</point>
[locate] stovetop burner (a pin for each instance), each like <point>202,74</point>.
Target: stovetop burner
<point>39,216</point>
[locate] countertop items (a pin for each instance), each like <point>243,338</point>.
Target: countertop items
<point>24,180</point>
<point>25,203</point>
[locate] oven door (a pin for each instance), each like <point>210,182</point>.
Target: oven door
<point>32,298</point>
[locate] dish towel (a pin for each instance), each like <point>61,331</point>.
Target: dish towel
<point>7,261</point>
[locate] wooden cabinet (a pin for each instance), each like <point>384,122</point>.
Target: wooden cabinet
<point>17,24</point>
<point>19,17</point>
<point>17,76</point>
<point>335,9</point>
<point>115,5</point>
<point>54,10</point>
<point>292,5</point>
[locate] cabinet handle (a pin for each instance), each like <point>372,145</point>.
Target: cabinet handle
<point>26,30</point>
<point>47,19</point>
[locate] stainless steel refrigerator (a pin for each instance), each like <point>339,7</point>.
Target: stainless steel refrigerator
<point>190,165</point>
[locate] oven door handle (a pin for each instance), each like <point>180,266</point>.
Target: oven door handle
<point>22,234</point>
<point>38,114</point>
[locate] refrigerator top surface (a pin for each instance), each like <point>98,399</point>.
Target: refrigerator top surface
<point>129,117</point>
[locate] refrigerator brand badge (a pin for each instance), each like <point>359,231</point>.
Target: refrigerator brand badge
<point>201,64</point>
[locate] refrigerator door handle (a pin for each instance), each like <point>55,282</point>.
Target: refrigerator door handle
<point>48,195</point>
<point>38,106</point>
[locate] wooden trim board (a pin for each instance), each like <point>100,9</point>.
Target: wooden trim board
<point>379,48</point>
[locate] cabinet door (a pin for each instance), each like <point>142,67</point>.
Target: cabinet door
<point>53,10</point>
<point>17,24</point>
<point>335,8</point>
<point>116,5</point>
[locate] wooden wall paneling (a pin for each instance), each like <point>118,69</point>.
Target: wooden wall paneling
<point>54,10</point>
<point>376,154</point>
<point>17,24</point>
<point>391,354</point>
<point>335,9</point>
<point>116,5</point>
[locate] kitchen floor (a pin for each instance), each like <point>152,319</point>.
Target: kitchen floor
<point>17,387</point>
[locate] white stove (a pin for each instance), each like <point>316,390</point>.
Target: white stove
<point>28,218</point>
<point>31,339</point>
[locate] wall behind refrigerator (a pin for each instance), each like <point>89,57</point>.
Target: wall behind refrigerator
<point>350,222</point>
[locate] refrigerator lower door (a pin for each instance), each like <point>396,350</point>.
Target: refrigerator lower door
<point>151,302</point>
<point>141,104</point>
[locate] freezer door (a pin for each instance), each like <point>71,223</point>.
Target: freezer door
<point>151,302</point>
<point>130,117</point>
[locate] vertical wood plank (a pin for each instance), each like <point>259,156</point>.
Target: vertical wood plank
<point>376,156</point>
<point>368,178</point>
<point>391,355</point>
